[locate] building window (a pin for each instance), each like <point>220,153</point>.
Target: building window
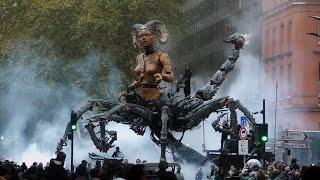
<point>274,42</point>
<point>282,83</point>
<point>281,39</point>
<point>267,45</point>
<point>290,36</point>
<point>318,32</point>
<point>319,79</point>
<point>290,78</point>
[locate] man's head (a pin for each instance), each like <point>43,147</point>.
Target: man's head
<point>61,156</point>
<point>270,168</point>
<point>178,168</point>
<point>138,161</point>
<point>84,162</point>
<point>117,149</point>
<point>221,171</point>
<point>163,165</point>
<point>293,160</point>
<point>125,162</point>
<point>188,67</point>
<point>232,168</point>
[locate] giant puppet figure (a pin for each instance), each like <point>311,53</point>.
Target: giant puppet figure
<point>143,103</point>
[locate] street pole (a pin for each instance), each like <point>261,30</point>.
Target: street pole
<point>275,121</point>
<point>73,119</point>
<point>204,137</point>
<point>264,121</point>
<point>72,168</point>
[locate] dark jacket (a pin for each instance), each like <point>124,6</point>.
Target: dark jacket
<point>56,171</point>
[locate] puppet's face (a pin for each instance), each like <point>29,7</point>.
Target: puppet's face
<point>146,39</point>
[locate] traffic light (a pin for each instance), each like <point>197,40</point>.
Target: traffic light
<point>73,121</point>
<point>263,133</point>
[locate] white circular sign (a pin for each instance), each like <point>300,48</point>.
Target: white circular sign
<point>243,133</point>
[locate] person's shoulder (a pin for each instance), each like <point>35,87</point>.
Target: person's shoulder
<point>163,55</point>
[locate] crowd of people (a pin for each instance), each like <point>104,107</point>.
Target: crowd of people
<point>108,170</point>
<point>276,170</point>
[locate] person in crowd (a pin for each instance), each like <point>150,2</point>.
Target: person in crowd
<point>260,175</point>
<point>220,175</point>
<point>94,174</point>
<point>187,78</point>
<point>24,167</point>
<point>178,174</point>
<point>224,135</point>
<point>117,153</point>
<point>213,172</point>
<point>232,170</point>
<point>244,175</point>
<point>294,165</point>
<point>199,175</point>
<point>144,161</point>
<point>56,170</point>
<point>81,170</point>
<point>124,169</point>
<point>138,161</point>
<point>107,169</point>
<point>163,165</point>
<point>180,84</point>
<point>47,165</point>
<point>137,172</point>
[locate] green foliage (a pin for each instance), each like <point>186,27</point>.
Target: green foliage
<point>68,30</point>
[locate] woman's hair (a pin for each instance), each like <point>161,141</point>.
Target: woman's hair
<point>261,176</point>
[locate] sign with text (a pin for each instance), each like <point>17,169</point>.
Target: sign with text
<point>294,145</point>
<point>243,147</point>
<point>292,136</point>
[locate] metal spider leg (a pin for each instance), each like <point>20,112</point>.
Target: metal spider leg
<point>164,131</point>
<point>124,113</point>
<point>233,105</point>
<point>100,103</point>
<point>215,124</point>
<point>184,152</point>
<point>246,112</point>
<point>233,114</point>
<point>106,137</point>
<point>138,126</point>
<point>200,113</point>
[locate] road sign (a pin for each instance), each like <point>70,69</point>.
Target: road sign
<point>243,133</point>
<point>243,148</point>
<point>294,145</point>
<point>243,121</point>
<point>292,136</point>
